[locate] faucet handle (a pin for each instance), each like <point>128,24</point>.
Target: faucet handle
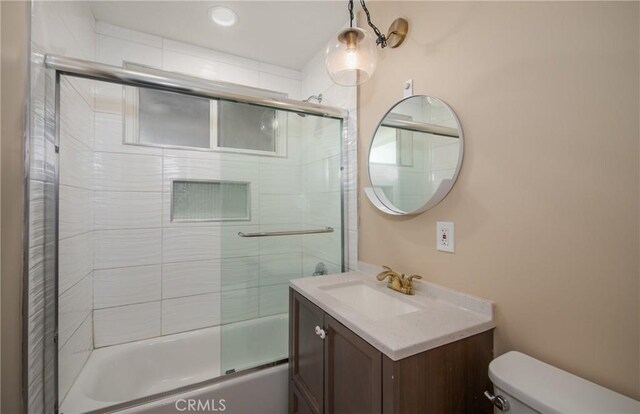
<point>409,283</point>
<point>386,273</point>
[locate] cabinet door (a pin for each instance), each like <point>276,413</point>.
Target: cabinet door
<point>306,366</point>
<point>297,403</point>
<point>353,372</point>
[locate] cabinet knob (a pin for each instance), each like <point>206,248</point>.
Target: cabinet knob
<point>320,332</point>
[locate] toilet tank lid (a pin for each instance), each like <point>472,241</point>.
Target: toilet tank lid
<point>548,389</point>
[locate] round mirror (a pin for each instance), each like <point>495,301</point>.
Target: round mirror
<point>415,156</point>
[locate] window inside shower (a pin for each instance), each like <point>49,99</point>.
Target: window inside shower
<point>168,119</point>
<point>157,236</point>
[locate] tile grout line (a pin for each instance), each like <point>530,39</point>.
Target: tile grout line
<point>89,314</point>
<point>77,282</point>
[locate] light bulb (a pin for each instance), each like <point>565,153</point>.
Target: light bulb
<point>351,57</point>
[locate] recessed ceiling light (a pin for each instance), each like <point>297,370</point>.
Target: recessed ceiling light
<point>223,16</point>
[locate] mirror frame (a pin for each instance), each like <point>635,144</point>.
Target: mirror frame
<point>378,200</point>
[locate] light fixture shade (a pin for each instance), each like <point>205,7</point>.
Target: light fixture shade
<point>351,57</point>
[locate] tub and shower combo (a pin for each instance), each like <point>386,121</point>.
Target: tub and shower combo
<point>175,211</point>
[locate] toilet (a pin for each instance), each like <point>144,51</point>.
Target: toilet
<point>523,384</point>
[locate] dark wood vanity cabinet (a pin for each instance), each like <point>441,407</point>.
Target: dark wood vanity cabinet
<point>306,356</point>
<point>338,374</point>
<point>343,374</point>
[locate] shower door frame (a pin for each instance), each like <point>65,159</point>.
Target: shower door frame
<point>58,66</point>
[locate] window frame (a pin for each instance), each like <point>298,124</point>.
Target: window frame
<point>131,124</point>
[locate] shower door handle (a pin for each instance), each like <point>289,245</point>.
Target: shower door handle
<point>286,233</point>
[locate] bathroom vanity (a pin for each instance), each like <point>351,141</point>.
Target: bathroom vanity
<point>357,347</point>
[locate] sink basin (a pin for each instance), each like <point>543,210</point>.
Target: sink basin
<point>368,301</point>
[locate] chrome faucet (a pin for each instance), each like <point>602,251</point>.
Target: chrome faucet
<point>398,282</point>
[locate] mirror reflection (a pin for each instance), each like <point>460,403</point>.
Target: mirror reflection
<point>415,155</point>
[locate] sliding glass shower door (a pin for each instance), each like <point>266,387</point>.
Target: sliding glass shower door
<point>294,230</point>
<point>181,221</point>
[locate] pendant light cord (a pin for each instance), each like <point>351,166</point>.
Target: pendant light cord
<point>350,13</point>
<point>381,39</point>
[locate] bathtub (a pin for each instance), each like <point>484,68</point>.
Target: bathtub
<point>140,377</point>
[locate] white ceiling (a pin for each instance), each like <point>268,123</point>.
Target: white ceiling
<point>284,33</point>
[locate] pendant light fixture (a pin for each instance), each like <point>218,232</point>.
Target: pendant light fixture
<point>351,58</point>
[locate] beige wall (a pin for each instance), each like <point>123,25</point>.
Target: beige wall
<point>546,206</point>
<point>14,26</point>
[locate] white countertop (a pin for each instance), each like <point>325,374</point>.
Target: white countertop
<point>444,315</point>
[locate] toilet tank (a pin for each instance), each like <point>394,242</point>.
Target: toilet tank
<point>532,386</point>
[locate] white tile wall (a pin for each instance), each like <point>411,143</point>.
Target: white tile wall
<point>209,54</point>
<point>279,268</point>
<point>283,244</point>
<point>321,166</point>
<point>280,71</point>
<point>239,75</point>
<point>115,51</point>
<point>281,208</point>
<point>191,243</point>
<point>240,305</point>
<point>76,211</point>
<point>74,354</point>
<point>280,179</point>
<point>65,28</point>
<point>291,87</point>
<point>76,163</point>
<point>274,299</point>
<point>108,98</point>
<point>75,260</point>
<point>195,260</point>
<point>190,312</point>
<point>191,65</point>
<point>203,169</point>
<point>128,172</point>
<point>126,323</point>
<point>126,286</point>
<point>73,308</point>
<point>245,271</point>
<point>235,246</point>
<point>122,248</point>
<point>109,136</point>
<point>190,278</point>
<point>326,246</point>
<point>76,216</point>
<point>126,34</point>
<point>323,176</point>
<point>127,210</point>
<point>76,114</point>
<point>323,209</point>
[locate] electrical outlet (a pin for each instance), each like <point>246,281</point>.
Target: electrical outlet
<point>445,236</point>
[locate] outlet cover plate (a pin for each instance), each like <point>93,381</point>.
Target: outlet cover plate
<point>445,236</point>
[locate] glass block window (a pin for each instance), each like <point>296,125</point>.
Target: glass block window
<point>167,118</point>
<point>210,200</point>
<point>247,127</point>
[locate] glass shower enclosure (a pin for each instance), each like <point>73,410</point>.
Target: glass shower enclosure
<point>183,210</point>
